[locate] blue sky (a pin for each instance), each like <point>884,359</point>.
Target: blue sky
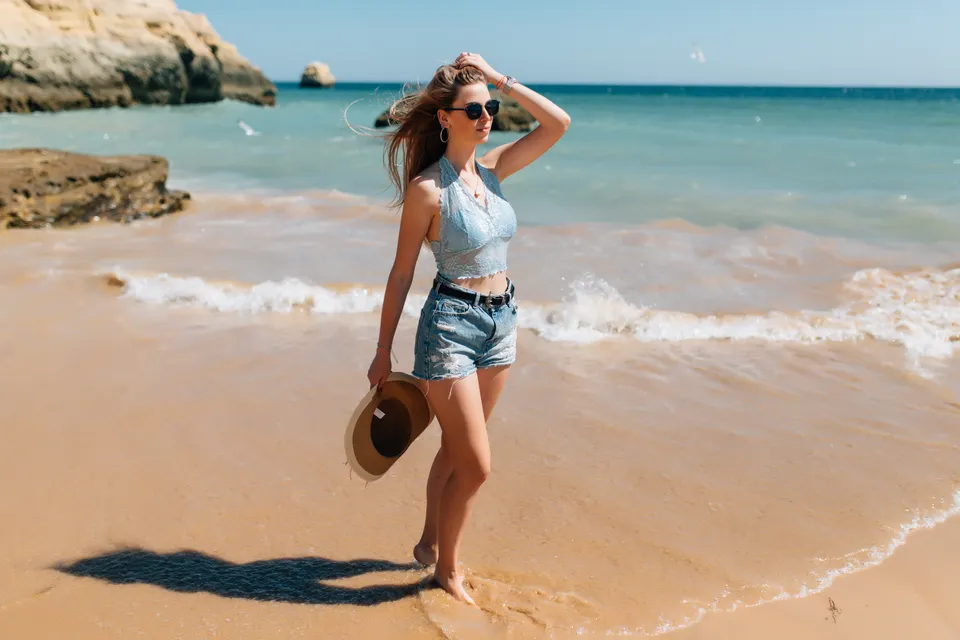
<point>793,42</point>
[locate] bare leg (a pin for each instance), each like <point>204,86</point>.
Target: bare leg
<point>459,410</point>
<point>462,411</point>
<point>425,551</point>
<point>491,383</point>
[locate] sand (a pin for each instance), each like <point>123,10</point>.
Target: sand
<point>177,471</point>
<point>913,594</point>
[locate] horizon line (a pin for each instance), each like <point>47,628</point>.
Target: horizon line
<point>673,85</point>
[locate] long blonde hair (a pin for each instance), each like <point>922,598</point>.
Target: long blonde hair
<point>416,143</point>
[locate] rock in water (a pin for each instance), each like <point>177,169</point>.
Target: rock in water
<point>317,75</point>
<point>511,117</point>
<point>384,120</point>
<point>74,54</point>
<point>43,187</point>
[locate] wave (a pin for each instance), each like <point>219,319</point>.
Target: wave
<point>852,563</point>
<point>283,296</point>
<point>919,310</point>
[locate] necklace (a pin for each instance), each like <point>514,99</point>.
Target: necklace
<point>476,192</point>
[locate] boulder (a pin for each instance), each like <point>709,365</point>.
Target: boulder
<point>511,117</point>
<point>317,75</point>
<point>384,120</point>
<point>74,54</point>
<point>46,188</point>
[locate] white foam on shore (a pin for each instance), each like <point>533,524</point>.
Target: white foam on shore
<point>852,563</point>
<point>919,310</point>
<point>284,296</point>
<point>873,556</point>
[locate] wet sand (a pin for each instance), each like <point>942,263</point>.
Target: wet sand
<point>913,594</point>
<point>177,471</point>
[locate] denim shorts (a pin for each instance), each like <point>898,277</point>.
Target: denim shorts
<point>455,337</point>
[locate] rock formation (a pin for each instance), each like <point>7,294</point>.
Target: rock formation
<point>384,120</point>
<point>74,54</point>
<point>317,75</point>
<point>512,116</point>
<point>45,188</point>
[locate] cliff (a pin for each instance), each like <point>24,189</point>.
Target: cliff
<point>74,54</point>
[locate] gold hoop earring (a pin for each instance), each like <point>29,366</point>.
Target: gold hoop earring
<point>442,131</point>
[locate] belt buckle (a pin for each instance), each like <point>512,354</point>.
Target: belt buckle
<point>488,302</point>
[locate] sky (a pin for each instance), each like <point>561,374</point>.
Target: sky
<point>744,42</point>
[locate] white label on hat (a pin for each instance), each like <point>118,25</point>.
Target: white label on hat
<point>379,414</point>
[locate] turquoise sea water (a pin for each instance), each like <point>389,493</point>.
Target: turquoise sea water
<point>880,165</point>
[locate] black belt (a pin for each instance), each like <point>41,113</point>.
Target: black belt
<point>476,298</point>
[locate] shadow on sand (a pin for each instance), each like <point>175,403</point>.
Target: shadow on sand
<point>295,580</point>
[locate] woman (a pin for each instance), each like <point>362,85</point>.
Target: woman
<point>466,338</point>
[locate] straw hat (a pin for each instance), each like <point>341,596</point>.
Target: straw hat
<point>385,424</point>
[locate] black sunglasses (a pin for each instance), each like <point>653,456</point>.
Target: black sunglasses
<point>474,109</point>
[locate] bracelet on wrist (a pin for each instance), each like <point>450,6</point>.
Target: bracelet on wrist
<point>505,84</point>
<point>389,350</point>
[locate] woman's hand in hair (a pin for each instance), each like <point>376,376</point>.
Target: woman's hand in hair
<point>467,59</point>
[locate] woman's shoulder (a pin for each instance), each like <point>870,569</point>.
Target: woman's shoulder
<point>488,167</point>
<point>430,172</point>
<point>424,188</point>
<point>427,181</point>
<point>488,174</point>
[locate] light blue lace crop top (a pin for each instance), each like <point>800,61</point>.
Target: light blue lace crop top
<point>473,236</point>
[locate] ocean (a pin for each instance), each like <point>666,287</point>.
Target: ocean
<point>736,381</point>
<point>868,165</point>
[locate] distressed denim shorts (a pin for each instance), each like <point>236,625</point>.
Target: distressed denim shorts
<point>455,337</point>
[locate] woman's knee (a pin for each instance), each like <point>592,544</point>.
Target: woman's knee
<point>473,472</point>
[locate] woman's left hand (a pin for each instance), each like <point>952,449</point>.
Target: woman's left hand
<point>467,59</point>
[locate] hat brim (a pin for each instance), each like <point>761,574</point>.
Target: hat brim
<point>399,391</point>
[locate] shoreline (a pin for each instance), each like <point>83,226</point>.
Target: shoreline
<point>910,594</point>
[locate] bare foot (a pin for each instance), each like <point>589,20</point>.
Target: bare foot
<point>452,583</point>
<point>425,554</point>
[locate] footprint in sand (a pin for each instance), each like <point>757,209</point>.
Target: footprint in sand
<point>507,607</point>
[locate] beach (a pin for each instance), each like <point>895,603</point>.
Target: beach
<point>909,596</point>
<point>732,405</point>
